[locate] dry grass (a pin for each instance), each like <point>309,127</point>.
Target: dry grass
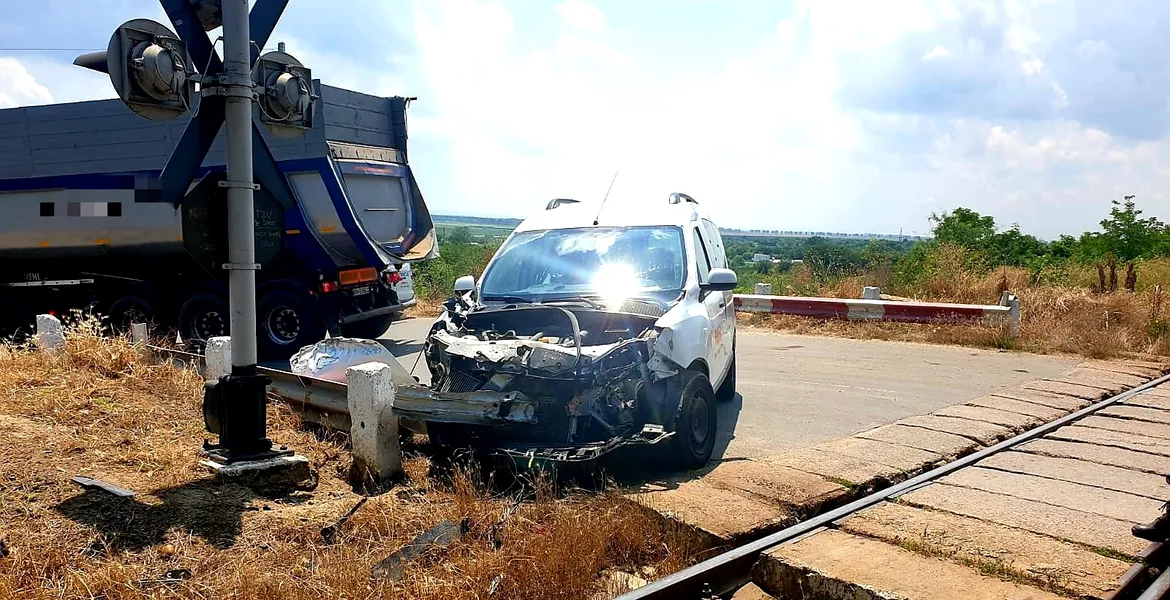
<point>426,308</point>
<point>100,409</point>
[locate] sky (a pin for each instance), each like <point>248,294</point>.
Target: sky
<point>812,115</point>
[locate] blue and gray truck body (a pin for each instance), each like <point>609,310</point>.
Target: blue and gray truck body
<point>82,227</point>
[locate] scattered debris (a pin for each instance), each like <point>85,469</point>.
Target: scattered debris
<point>440,536</point>
<point>167,550</point>
<point>497,532</point>
<point>4,548</point>
<point>171,577</point>
<point>330,532</point>
<point>495,584</point>
<point>89,483</point>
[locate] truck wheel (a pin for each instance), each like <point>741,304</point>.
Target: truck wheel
<point>695,426</point>
<point>369,329</point>
<point>286,322</point>
<point>204,316</point>
<point>128,310</point>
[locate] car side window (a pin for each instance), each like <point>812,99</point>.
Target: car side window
<point>702,258</point>
<point>715,245</point>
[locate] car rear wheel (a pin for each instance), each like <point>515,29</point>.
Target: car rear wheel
<point>726,392</point>
<point>696,424</point>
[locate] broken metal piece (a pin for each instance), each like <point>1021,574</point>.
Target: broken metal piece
<point>171,577</point>
<point>440,536</point>
<point>89,483</point>
<point>329,533</point>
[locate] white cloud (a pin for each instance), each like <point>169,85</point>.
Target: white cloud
<point>581,15</point>
<point>847,115</point>
<point>936,53</point>
<point>18,87</point>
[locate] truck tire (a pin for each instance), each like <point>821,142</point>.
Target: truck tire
<point>128,310</point>
<point>369,329</point>
<point>285,323</point>
<point>696,423</point>
<point>203,316</point>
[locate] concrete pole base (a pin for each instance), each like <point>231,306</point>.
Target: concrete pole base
<point>271,477</point>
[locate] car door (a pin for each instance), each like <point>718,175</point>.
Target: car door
<point>719,261</point>
<point>716,304</point>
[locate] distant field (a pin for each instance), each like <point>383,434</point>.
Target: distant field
<point>474,231</point>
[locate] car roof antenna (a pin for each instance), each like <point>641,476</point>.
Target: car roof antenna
<point>607,191</point>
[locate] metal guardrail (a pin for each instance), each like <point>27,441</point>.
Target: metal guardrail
<point>732,569</point>
<point>324,399</point>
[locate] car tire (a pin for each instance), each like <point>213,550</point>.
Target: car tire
<point>203,316</point>
<point>286,322</point>
<point>726,391</point>
<point>696,423</point>
<point>369,329</point>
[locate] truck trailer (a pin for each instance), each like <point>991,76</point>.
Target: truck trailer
<point>82,226</point>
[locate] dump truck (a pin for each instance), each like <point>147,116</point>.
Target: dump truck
<point>334,239</point>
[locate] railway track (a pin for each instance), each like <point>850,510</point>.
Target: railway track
<point>723,574</point>
<point>325,402</point>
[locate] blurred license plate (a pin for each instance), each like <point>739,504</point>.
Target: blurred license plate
<point>359,291</point>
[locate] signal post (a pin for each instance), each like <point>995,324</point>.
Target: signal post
<point>154,71</point>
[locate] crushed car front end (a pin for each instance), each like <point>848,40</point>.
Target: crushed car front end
<point>580,375</point>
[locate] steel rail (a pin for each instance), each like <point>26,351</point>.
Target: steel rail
<point>1159,589</point>
<point>732,569</point>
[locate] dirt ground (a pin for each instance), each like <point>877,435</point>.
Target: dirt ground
<point>100,409</point>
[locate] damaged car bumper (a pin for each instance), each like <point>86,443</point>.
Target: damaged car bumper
<point>543,384</point>
<point>468,408</point>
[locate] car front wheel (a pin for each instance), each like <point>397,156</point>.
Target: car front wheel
<point>695,425</point>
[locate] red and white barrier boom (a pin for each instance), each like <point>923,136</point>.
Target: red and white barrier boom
<point>1008,310</point>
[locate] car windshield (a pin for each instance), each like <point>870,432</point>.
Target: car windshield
<point>610,263</point>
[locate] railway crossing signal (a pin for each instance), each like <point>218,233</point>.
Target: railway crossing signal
<point>155,71</point>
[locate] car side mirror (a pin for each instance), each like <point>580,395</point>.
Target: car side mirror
<point>720,280</point>
<point>464,284</point>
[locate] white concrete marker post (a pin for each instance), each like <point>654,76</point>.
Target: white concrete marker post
<point>1012,301</point>
<point>218,355</point>
<point>763,289</point>
<point>373,430</point>
<point>50,333</point>
<point>871,293</point>
<point>138,333</point>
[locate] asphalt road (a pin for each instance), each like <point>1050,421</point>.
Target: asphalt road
<point>799,390</point>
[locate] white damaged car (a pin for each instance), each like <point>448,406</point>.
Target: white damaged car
<point>590,329</point>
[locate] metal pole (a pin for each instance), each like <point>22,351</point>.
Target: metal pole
<point>241,236</point>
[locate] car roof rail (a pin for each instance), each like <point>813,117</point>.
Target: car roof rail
<point>678,197</point>
<point>555,202</point>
